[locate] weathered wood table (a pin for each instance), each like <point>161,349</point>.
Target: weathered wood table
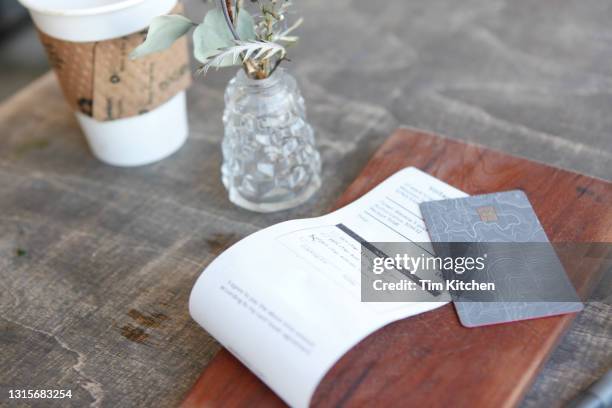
<point>96,262</point>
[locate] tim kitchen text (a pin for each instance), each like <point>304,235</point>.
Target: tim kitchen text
<point>429,285</point>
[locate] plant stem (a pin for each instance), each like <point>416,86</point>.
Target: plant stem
<point>278,61</point>
<point>228,6</point>
<point>249,68</point>
<point>228,18</point>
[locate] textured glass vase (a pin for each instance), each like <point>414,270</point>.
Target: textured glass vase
<point>270,161</point>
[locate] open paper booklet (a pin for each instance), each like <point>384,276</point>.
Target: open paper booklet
<point>286,300</point>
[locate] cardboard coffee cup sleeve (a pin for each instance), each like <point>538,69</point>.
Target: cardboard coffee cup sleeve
<point>99,79</point>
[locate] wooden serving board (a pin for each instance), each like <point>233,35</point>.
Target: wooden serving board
<point>430,359</point>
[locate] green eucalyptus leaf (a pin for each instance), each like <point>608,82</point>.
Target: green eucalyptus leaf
<point>163,32</point>
<point>210,36</point>
<point>214,35</point>
<point>246,26</point>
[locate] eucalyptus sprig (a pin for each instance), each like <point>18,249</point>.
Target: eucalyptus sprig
<point>229,36</point>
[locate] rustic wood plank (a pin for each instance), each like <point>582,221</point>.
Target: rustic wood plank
<point>431,360</point>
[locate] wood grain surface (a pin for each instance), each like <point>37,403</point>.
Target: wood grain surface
<point>430,359</point>
<point>96,262</point>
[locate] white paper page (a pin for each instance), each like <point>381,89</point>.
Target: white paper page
<point>286,300</point>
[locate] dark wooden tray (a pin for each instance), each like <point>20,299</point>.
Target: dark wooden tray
<point>431,360</point>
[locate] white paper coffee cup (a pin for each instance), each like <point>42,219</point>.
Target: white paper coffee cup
<point>130,141</point>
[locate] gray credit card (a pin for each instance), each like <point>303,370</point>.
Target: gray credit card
<point>519,275</point>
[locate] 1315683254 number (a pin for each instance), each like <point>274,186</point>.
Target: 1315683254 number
<point>39,394</point>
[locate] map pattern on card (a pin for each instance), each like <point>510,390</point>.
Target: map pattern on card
<point>530,281</point>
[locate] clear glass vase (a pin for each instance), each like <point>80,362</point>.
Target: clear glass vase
<point>270,161</point>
